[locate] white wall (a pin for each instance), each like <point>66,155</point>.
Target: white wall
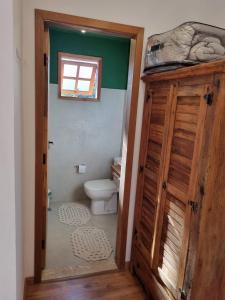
<point>82,132</point>
<point>7,179</point>
<point>18,144</point>
<point>156,16</point>
<point>11,272</point>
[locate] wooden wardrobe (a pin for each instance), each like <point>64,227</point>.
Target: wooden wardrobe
<point>178,247</point>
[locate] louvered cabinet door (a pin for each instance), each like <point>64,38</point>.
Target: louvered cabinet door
<point>153,141</point>
<point>179,184</point>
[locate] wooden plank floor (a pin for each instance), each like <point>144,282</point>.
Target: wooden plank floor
<point>118,286</point>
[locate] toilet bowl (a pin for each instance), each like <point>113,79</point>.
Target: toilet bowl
<point>103,195</point>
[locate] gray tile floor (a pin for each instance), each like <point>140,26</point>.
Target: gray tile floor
<point>60,261</point>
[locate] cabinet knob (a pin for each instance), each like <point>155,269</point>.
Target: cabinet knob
<point>164,185</point>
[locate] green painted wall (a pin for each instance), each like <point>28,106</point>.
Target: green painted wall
<point>113,50</point>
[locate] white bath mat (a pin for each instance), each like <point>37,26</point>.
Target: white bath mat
<point>73,214</point>
<point>91,244</point>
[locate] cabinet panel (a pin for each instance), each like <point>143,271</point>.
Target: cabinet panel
<point>180,177</point>
<point>154,132</point>
<point>180,189</point>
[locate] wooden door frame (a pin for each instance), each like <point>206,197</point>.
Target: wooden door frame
<point>136,34</point>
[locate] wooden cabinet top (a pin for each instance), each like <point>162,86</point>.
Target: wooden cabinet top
<point>200,69</point>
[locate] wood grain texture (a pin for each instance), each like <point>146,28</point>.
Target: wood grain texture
<point>209,279</point>
<point>189,251</point>
<point>203,162</point>
<point>199,70</point>
<point>187,121</point>
<point>100,25</point>
<point>154,287</point>
<point>150,165</point>
<point>114,286</point>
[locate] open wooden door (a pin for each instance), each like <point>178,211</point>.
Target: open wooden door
<point>41,148</point>
<point>179,184</point>
<point>45,149</point>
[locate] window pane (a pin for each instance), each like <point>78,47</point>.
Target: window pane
<point>70,70</point>
<point>85,72</point>
<point>83,85</point>
<point>68,84</point>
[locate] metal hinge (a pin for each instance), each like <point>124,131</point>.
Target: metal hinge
<point>209,98</point>
<point>194,206</point>
<point>148,98</point>
<point>135,233</point>
<point>141,169</point>
<point>164,185</point>
<point>43,244</point>
<point>45,59</point>
<point>44,159</point>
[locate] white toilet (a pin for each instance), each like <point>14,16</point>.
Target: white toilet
<point>103,195</point>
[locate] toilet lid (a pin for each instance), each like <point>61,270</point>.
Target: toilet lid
<point>101,185</point>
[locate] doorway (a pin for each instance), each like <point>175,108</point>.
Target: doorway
<point>43,20</point>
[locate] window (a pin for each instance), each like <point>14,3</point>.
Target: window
<point>79,77</point>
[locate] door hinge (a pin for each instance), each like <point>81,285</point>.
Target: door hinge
<point>44,159</point>
<point>45,59</point>
<point>164,185</point>
<point>148,97</point>
<point>43,244</point>
<point>194,206</point>
<point>141,169</point>
<point>135,234</point>
<point>183,294</point>
<point>209,98</point>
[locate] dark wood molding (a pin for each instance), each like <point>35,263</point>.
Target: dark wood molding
<point>136,34</point>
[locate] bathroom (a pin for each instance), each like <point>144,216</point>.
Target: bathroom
<point>85,139</point>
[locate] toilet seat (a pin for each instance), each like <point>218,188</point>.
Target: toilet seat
<point>101,185</point>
